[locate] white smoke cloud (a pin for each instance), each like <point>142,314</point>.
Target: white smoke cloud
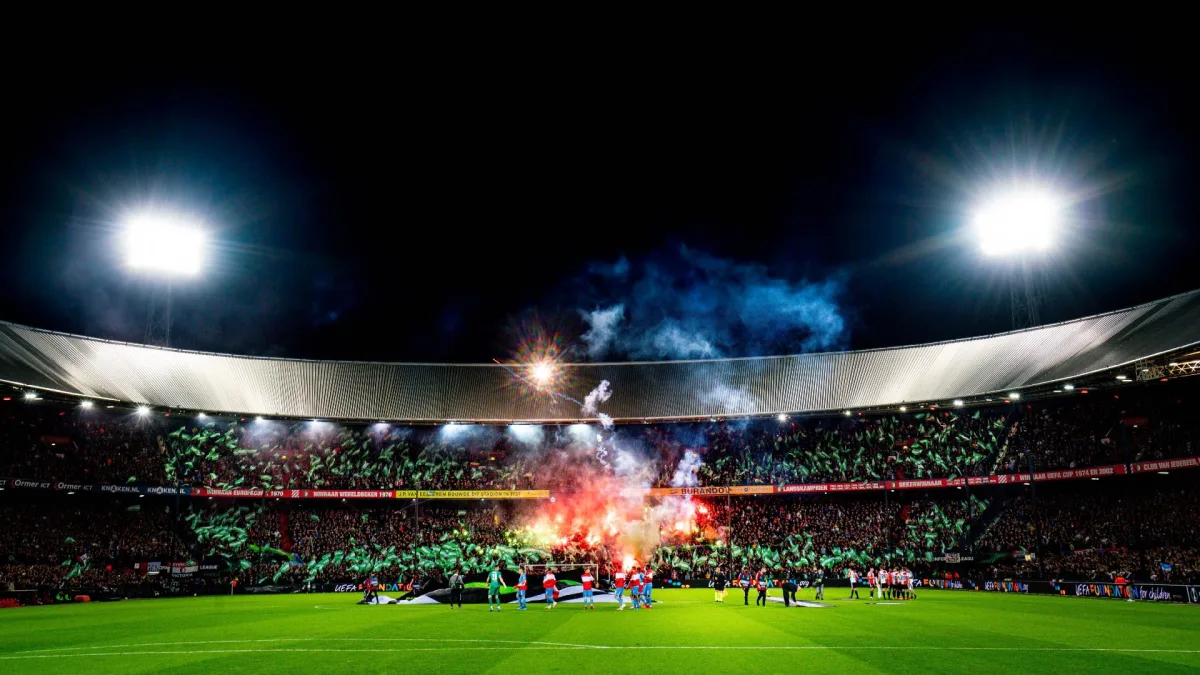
<point>686,304</point>
<point>670,338</point>
<point>600,394</point>
<point>685,473</point>
<point>730,400</point>
<point>602,329</point>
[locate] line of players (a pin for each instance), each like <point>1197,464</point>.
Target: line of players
<point>639,582</point>
<point>888,584</point>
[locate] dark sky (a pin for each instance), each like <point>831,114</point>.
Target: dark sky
<point>417,204</point>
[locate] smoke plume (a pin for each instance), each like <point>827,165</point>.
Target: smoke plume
<point>693,305</point>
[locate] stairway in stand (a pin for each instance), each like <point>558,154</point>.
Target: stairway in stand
<point>285,538</point>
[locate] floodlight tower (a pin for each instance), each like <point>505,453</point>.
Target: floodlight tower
<point>1019,225</point>
<point>167,246</point>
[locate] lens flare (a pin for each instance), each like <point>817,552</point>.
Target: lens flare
<point>543,374</point>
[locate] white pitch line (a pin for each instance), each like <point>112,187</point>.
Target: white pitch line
<point>268,640</point>
<point>572,647</point>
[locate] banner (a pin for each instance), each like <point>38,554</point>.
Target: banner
<point>1079,589</point>
<point>719,490</point>
<point>64,486</point>
<point>183,569</point>
<point>341,494</point>
<point>240,492</point>
<point>1166,464</point>
<point>1006,586</point>
<point>1041,476</point>
<point>473,494</point>
<point>1149,592</point>
<point>939,483</point>
<point>829,487</point>
<point>712,491</point>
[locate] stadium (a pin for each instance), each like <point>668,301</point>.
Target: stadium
<point>466,350</point>
<point>1038,486</point>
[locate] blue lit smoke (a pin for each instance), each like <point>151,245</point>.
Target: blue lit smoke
<point>695,305</point>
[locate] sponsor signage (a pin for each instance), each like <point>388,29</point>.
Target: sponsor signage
<point>953,584</point>
<point>829,487</point>
<point>64,486</point>
<point>1006,586</point>
<point>713,490</point>
<point>1147,592</point>
<point>1086,589</point>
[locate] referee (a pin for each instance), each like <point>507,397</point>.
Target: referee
<point>456,588</point>
<point>719,585</point>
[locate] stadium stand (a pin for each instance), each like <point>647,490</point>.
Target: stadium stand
<point>1057,483</point>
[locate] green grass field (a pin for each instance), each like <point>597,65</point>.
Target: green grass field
<point>944,631</point>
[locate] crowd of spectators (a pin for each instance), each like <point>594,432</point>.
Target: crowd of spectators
<point>1098,534</point>
<point>1086,536</point>
<point>50,442</point>
<point>108,533</point>
<point>47,441</point>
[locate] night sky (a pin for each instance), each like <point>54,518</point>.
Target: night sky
<point>437,204</point>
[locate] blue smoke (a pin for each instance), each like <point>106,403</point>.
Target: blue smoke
<point>694,305</point>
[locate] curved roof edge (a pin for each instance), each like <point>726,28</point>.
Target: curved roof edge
<point>646,390</point>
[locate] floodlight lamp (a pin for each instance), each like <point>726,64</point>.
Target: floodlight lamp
<point>143,410</point>
<point>86,405</point>
<point>1015,395</point>
<point>1069,387</point>
<point>1019,222</point>
<point>782,417</point>
<point>958,403</point>
<point>164,243</point>
<point>30,396</point>
<point>542,373</point>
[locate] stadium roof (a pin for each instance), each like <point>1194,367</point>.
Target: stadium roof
<point>412,392</point>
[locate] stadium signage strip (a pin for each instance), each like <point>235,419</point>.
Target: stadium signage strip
<point>1165,464</point>
<point>473,494</point>
<point>715,490</point>
<point>375,494</point>
<point>934,483</point>
<point>803,488</point>
<point>1083,589</point>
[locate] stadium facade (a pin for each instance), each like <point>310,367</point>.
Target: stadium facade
<point>974,370</point>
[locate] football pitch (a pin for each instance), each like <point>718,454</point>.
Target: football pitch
<point>686,632</point>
